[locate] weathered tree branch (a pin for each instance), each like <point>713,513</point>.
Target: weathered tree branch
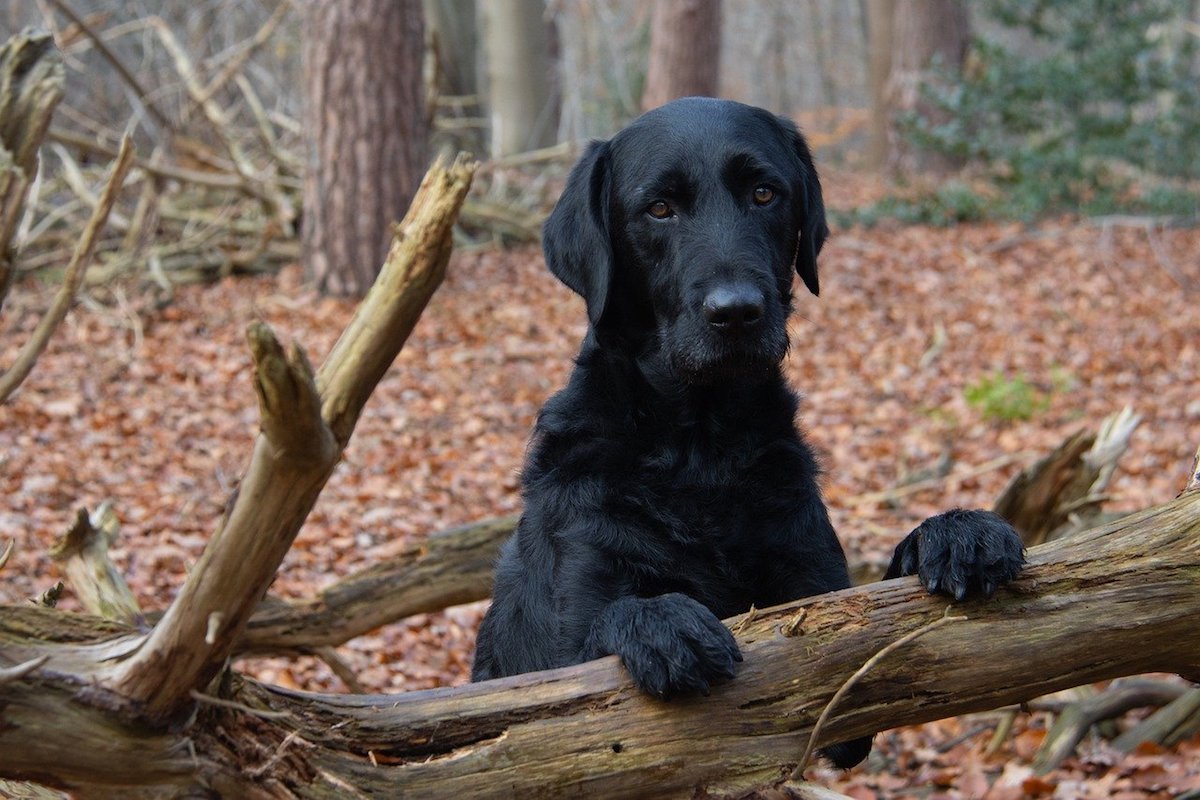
<point>1073,616</point>
<point>292,460</point>
<point>1076,719</point>
<point>446,569</point>
<point>1062,493</point>
<point>386,316</point>
<point>1173,723</point>
<point>1059,494</point>
<point>303,432</point>
<point>82,553</point>
<point>143,98</point>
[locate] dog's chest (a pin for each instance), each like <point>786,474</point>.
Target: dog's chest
<point>707,501</point>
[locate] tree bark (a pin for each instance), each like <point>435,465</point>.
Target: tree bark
<point>586,731</point>
<point>685,51</point>
<point>523,111</point>
<point>73,276</point>
<point>924,31</point>
<point>367,129</point>
<point>880,15</point>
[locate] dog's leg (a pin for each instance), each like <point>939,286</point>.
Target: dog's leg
<point>960,552</point>
<point>670,644</point>
<point>845,755</point>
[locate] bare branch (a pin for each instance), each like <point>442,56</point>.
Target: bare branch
<point>798,772</point>
<point>143,97</point>
<point>1077,718</point>
<point>76,269</point>
<point>292,459</point>
<point>31,86</point>
<point>248,48</point>
<point>303,433</point>
<point>1176,721</point>
<point>216,180</point>
<point>386,316</point>
<point>441,570</point>
<point>275,203</point>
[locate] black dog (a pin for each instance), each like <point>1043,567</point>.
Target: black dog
<point>667,486</point>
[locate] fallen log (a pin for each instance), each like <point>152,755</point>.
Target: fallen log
<point>446,569</point>
<point>1114,601</point>
<point>1059,495</point>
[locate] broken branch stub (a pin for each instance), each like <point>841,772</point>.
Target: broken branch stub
<point>303,432</point>
<point>31,86</point>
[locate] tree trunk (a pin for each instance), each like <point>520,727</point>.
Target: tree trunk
<point>586,731</point>
<point>456,44</point>
<point>880,15</point>
<point>523,110</point>
<point>685,50</point>
<point>922,31</point>
<point>367,127</point>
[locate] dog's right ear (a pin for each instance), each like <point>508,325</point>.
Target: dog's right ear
<point>576,237</point>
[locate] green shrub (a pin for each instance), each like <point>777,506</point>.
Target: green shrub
<point>1007,399</point>
<point>1104,95</point>
<point>952,203</point>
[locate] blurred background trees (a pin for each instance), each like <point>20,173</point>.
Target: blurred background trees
<point>924,33</point>
<point>1019,107</point>
<point>522,107</point>
<point>366,143</point>
<point>685,51</point>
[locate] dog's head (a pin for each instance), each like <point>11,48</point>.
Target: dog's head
<point>686,226</point>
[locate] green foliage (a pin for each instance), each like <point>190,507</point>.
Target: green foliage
<point>1103,90</point>
<point>952,203</point>
<point>1006,399</point>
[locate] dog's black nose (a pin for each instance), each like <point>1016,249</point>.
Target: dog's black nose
<point>738,305</point>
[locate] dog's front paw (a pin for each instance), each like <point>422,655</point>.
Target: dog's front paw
<point>670,644</point>
<point>961,552</point>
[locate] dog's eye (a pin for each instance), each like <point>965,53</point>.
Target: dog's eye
<point>660,210</point>
<point>763,195</point>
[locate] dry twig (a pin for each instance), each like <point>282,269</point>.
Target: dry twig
<point>143,97</point>
<point>76,269</point>
<point>814,734</point>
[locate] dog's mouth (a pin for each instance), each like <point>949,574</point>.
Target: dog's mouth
<point>726,372</point>
<point>722,362</point>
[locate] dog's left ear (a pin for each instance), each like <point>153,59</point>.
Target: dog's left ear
<point>576,238</point>
<point>811,211</point>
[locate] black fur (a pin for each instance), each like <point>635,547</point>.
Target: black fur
<point>667,486</point>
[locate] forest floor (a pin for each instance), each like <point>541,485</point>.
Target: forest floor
<point>151,406</point>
